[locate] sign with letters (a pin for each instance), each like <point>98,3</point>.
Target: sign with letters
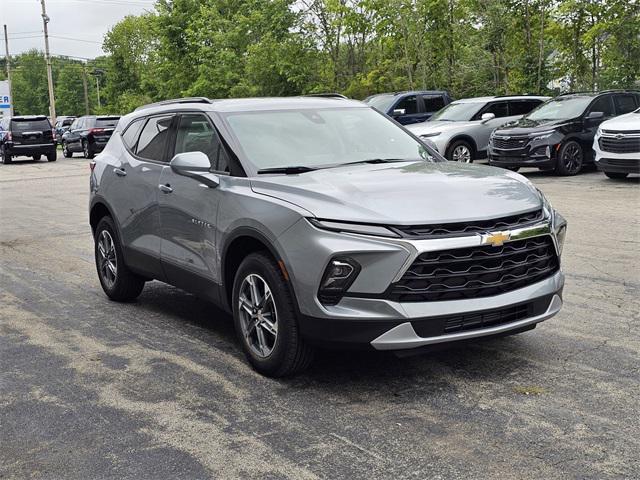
<point>5,99</point>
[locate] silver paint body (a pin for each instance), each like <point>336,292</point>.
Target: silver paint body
<point>181,237</point>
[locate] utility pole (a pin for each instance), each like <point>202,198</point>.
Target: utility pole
<point>6,45</point>
<point>86,91</point>
<point>47,57</point>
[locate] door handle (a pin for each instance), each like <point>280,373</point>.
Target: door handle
<point>165,188</point>
<point>120,172</point>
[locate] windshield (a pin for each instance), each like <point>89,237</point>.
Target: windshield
<point>381,102</point>
<point>458,111</point>
<point>30,125</point>
<point>107,121</point>
<point>322,137</point>
<point>560,108</point>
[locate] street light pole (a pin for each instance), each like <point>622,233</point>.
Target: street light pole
<point>6,44</point>
<point>47,57</point>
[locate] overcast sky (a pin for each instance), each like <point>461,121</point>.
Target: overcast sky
<point>84,20</point>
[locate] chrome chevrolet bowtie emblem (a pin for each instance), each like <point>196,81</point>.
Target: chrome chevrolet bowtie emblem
<point>619,136</point>
<point>496,239</point>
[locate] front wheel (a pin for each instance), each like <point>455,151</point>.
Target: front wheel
<point>570,159</point>
<point>65,150</point>
<point>616,175</point>
<point>460,151</point>
<point>265,319</point>
<point>6,157</point>
<point>36,158</point>
<point>118,282</point>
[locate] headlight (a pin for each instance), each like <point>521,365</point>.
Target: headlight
<point>599,132</point>
<point>537,137</point>
<point>561,233</point>
<point>558,222</point>
<point>360,228</point>
<point>427,135</point>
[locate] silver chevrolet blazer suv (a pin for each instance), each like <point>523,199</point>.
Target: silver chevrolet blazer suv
<point>319,222</point>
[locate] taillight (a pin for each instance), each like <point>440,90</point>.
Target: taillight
<point>9,137</point>
<point>96,130</point>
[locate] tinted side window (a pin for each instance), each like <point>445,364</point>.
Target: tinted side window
<point>409,104</point>
<point>522,107</point>
<point>604,105</point>
<point>498,109</point>
<point>153,138</point>
<point>432,103</point>
<point>130,135</point>
<point>624,103</point>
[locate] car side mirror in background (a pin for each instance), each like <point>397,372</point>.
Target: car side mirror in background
<point>195,165</point>
<point>595,115</point>
<point>397,112</point>
<point>487,116</point>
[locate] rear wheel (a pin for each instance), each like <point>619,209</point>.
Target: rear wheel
<point>265,319</point>
<point>118,282</point>
<point>460,151</point>
<point>65,150</point>
<point>6,157</point>
<point>87,150</point>
<point>570,159</point>
<point>36,157</point>
<point>52,156</point>
<point>616,175</point>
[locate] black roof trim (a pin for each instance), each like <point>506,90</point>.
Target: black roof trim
<point>175,101</point>
<point>600,92</point>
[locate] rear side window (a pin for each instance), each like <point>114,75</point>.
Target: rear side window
<point>130,135</point>
<point>153,139</point>
<point>105,122</point>
<point>432,103</point>
<point>522,107</point>
<point>408,104</point>
<point>624,104</point>
<point>39,125</point>
<point>604,105</point>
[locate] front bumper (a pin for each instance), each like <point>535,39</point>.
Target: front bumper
<point>616,162</point>
<point>366,317</point>
<point>542,155</point>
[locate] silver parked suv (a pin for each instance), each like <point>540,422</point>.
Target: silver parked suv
<point>319,221</point>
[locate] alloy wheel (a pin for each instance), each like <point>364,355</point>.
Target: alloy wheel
<point>85,149</point>
<point>572,158</point>
<point>258,315</point>
<point>108,261</point>
<point>461,154</point>
<point>65,149</point>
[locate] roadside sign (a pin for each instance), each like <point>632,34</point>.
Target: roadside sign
<point>5,99</point>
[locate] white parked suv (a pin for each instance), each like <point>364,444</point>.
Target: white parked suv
<point>617,145</point>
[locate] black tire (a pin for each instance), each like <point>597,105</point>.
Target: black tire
<point>6,158</point>
<point>87,150</point>
<point>570,159</point>
<point>512,169</point>
<point>36,158</point>
<point>52,156</point>
<point>65,150</point>
<point>457,148</point>
<point>616,175</point>
<point>290,354</point>
<point>126,285</point>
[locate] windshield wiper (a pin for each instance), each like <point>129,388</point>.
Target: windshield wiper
<point>372,161</point>
<point>287,170</point>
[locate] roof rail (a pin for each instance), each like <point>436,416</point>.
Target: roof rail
<point>175,101</point>
<point>327,95</point>
<point>597,92</point>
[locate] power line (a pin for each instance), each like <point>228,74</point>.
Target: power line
<point>75,39</point>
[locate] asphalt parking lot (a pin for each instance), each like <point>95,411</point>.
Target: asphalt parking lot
<point>159,388</point>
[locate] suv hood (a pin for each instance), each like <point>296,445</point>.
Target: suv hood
<point>628,121</point>
<point>438,126</point>
<point>405,193</point>
<point>526,126</point>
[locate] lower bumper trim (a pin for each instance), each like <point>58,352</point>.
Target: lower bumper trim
<point>404,336</point>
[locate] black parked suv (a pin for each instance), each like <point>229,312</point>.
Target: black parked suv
<point>410,107</point>
<point>558,135</point>
<point>89,135</point>
<point>62,125</point>
<point>27,136</point>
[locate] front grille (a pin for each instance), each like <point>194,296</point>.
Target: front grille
<point>474,272</point>
<point>477,226</point>
<point>481,319</point>
<point>625,144</point>
<point>509,143</point>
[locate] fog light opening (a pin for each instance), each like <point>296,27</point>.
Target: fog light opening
<point>339,275</point>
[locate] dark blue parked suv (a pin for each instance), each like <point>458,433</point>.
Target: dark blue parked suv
<point>410,107</point>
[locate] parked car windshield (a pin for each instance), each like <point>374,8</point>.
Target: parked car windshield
<point>322,137</point>
<point>560,108</point>
<point>458,112</point>
<point>380,102</point>
<point>19,125</point>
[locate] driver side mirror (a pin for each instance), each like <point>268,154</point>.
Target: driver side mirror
<point>397,112</point>
<point>195,165</point>
<point>487,116</point>
<point>595,115</point>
